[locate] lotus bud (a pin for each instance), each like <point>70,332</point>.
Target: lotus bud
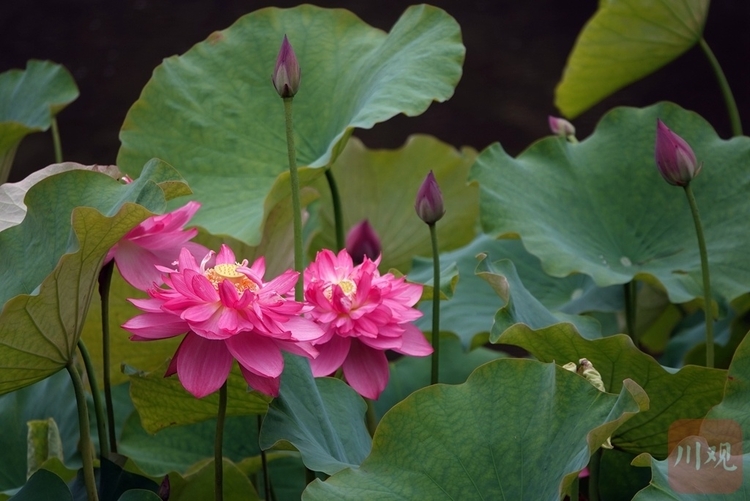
<point>561,127</point>
<point>674,157</point>
<point>286,75</point>
<point>362,241</point>
<point>429,203</point>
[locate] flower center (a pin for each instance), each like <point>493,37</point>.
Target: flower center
<point>348,287</point>
<point>227,271</point>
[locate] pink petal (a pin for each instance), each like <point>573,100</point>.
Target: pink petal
<point>300,348</point>
<point>225,256</point>
<point>366,370</point>
<point>331,355</point>
<point>202,365</point>
<point>302,329</point>
<point>156,326</point>
<point>283,283</point>
<point>381,342</point>
<point>267,385</point>
<point>414,342</point>
<point>137,265</point>
<point>256,353</point>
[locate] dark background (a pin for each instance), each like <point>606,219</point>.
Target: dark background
<point>516,51</point>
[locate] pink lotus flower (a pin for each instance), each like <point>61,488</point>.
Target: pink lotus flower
<point>363,314</point>
<point>155,242</point>
<point>674,157</point>
<point>228,313</point>
<point>362,241</point>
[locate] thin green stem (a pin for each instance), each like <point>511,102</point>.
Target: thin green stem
<point>707,298</point>
<point>218,445</point>
<point>83,424</point>
<point>264,462</point>
<point>56,141</point>
<point>435,306</point>
<point>734,114</point>
<point>101,428</point>
<point>105,279</point>
<point>630,292</point>
<point>574,490</point>
<point>594,462</point>
<point>299,294</point>
<point>370,418</point>
<point>338,215</point>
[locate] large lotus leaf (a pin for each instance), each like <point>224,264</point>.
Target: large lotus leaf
<point>162,402</point>
<point>44,485</point>
<point>214,114</point>
<point>522,307</point>
<point>199,485</point>
<point>323,418</point>
<point>685,394</point>
<point>408,374</point>
<point>381,186</point>
<point>29,101</point>
<point>600,207</point>
<point>52,258</point>
<point>736,403</point>
<point>573,294</point>
<point>517,429</point>
<point>625,41</point>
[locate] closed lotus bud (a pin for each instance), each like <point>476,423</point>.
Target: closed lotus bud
<point>561,127</point>
<point>674,157</point>
<point>286,75</point>
<point>362,241</point>
<point>429,203</point>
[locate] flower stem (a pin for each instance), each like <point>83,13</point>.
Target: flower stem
<point>264,462</point>
<point>734,114</point>
<point>630,290</point>
<point>594,462</point>
<point>105,279</point>
<point>218,444</point>
<point>98,406</point>
<point>56,141</point>
<point>83,425</point>
<point>707,298</point>
<point>338,215</point>
<point>299,294</point>
<point>435,306</point>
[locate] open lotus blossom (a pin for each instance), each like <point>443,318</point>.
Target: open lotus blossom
<point>157,241</point>
<point>228,312</point>
<point>363,314</point>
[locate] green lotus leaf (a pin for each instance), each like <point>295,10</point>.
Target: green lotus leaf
<point>214,114</point>
<point>381,186</point>
<point>51,261</point>
<point>685,394</point>
<point>199,485</point>
<point>44,485</point>
<point>323,418</point>
<point>517,429</point>
<point>736,403</point>
<point>29,101</point>
<point>613,217</point>
<point>625,41</point>
<point>162,402</point>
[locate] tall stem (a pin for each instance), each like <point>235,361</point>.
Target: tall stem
<point>734,114</point>
<point>218,445</point>
<point>338,215</point>
<point>299,265</point>
<point>56,141</point>
<point>83,425</point>
<point>630,292</point>
<point>264,463</point>
<point>435,306</point>
<point>105,279</point>
<point>708,307</point>
<point>98,406</point>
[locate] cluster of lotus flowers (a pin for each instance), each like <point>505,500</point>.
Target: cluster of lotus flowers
<point>227,310</point>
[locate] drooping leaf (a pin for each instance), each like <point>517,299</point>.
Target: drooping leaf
<point>44,485</point>
<point>685,394</point>
<point>29,100</point>
<point>381,186</point>
<point>162,402</point>
<point>517,429</point>
<point>612,216</point>
<point>625,41</point>
<point>214,114</point>
<point>323,418</point>
<point>52,258</point>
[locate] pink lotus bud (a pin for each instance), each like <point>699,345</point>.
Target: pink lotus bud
<point>429,203</point>
<point>674,157</point>
<point>561,127</point>
<point>362,241</point>
<point>286,75</point>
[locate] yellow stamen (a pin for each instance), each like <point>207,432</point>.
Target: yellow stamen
<point>226,271</point>
<point>348,287</point>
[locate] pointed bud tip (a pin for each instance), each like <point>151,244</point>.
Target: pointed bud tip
<point>560,126</point>
<point>286,74</point>
<point>429,202</point>
<point>674,157</point>
<point>362,241</point>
